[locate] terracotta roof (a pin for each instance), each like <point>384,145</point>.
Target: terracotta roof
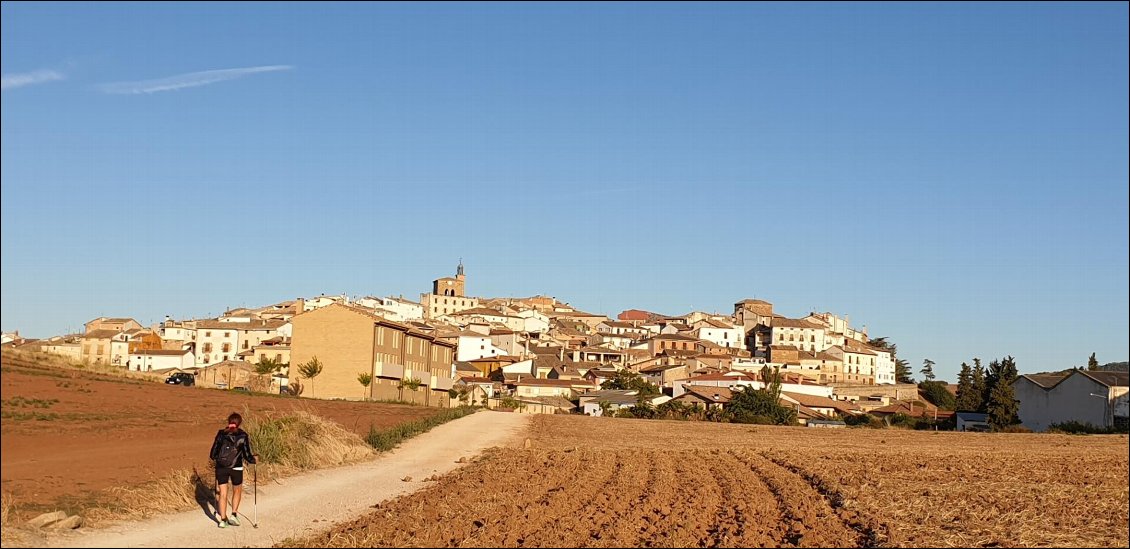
<point>711,394</point>
<point>782,322</point>
<point>721,377</point>
<point>661,368</point>
<point>481,311</point>
<point>754,301</point>
<point>813,401</point>
<point>673,337</point>
<point>618,324</point>
<point>101,334</point>
<point>552,382</point>
<point>719,324</point>
<point>858,349</point>
<point>216,325</point>
<point>476,379</point>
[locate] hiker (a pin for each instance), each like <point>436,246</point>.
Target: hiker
<point>230,450</point>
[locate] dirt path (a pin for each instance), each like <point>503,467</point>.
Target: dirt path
<point>311,502</point>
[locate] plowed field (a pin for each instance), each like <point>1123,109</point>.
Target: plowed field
<point>599,482</point>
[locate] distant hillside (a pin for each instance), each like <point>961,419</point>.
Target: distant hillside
<point>1116,366</point>
<point>1108,367</point>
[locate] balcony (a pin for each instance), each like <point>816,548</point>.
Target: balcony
<point>441,383</point>
<point>388,370</point>
<point>424,377</point>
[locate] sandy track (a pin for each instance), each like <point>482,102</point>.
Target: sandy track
<point>309,503</point>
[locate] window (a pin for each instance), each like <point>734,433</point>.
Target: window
<point>227,335</point>
<point>207,334</point>
<point>226,347</point>
<point>245,345</point>
<point>263,356</point>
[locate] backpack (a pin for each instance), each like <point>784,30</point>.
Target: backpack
<point>230,451</point>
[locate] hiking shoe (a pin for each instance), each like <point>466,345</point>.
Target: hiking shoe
<point>233,521</point>
<point>223,523</point>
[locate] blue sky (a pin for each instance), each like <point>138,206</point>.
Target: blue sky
<point>952,176</point>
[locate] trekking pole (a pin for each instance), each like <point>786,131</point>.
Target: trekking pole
<point>255,495</point>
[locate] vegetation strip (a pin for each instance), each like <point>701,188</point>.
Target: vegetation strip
<point>387,439</point>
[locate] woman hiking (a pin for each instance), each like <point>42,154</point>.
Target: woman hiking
<point>230,450</point>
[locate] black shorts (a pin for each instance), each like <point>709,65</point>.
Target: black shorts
<point>223,474</point>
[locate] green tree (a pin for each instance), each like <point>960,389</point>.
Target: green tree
<point>980,384</point>
<point>1003,408</point>
<point>749,405</point>
<point>311,370</point>
<point>937,394</point>
<point>365,380</point>
<point>902,371</point>
<point>928,369</point>
<point>265,367</point>
<point>968,395</point>
<point>627,380</point>
<point>1092,363</point>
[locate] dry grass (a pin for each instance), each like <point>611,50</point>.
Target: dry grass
<point>8,503</point>
<point>286,443</point>
<point>46,361</point>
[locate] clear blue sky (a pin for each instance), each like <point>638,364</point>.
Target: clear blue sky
<point>952,176</point>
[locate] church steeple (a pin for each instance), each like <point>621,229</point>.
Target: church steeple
<point>459,269</point>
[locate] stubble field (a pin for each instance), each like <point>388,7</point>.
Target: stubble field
<point>601,482</point>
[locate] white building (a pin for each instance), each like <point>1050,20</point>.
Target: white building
<point>719,332</point>
<point>484,314</point>
<point>253,332</point>
<point>837,325</point>
<point>535,322</point>
<point>472,345</point>
<point>161,359</point>
<point>884,367</point>
<point>1098,398</point>
<point>216,341</point>
<point>802,334</point>
<point>176,330</point>
<point>394,308</point>
<point>322,301</point>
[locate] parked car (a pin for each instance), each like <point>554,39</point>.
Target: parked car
<point>181,378</point>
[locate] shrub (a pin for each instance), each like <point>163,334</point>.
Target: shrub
<point>864,420</point>
<point>1079,428</point>
<point>1013,429</point>
<point>387,439</point>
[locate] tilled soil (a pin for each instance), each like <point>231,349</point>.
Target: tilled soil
<point>602,482</point>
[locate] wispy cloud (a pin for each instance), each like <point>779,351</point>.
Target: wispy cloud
<point>189,80</point>
<point>16,80</point>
